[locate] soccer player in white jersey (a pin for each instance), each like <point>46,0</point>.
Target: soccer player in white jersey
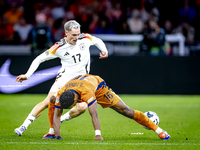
<point>73,51</point>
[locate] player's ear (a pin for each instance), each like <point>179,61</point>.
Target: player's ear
<point>66,32</point>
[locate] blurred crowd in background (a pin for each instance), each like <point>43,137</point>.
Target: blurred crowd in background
<point>30,21</point>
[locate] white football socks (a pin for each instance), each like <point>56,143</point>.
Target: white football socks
<point>65,117</point>
<point>28,120</point>
<point>158,130</point>
<point>51,131</point>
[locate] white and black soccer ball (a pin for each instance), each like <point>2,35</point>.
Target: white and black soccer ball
<point>153,116</point>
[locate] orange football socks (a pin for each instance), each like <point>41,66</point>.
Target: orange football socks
<point>142,119</point>
<point>51,109</point>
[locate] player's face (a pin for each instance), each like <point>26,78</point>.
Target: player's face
<point>72,36</point>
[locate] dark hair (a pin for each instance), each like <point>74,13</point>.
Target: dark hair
<point>66,99</point>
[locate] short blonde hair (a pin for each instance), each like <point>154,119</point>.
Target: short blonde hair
<point>71,24</point>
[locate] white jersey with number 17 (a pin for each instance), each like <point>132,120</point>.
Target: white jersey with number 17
<point>75,59</point>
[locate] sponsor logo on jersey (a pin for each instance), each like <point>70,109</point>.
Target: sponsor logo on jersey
<point>66,54</point>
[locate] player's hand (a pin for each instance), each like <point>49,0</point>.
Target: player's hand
<point>98,137</point>
<point>103,55</point>
<point>21,78</point>
<point>58,138</point>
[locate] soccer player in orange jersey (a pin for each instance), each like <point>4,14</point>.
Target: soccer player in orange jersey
<point>74,54</point>
<point>92,90</point>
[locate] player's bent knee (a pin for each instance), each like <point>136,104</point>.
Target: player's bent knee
<point>82,107</point>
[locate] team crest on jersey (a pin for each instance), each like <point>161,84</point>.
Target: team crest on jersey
<point>82,46</point>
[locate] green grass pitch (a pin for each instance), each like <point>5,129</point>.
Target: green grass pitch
<point>179,116</point>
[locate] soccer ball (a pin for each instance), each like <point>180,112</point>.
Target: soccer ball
<point>153,116</point>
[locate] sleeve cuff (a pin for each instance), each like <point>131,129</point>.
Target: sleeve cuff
<point>27,76</point>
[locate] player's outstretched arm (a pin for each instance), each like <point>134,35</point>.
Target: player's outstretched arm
<point>21,78</point>
<point>95,120</point>
<point>37,61</point>
<point>56,121</point>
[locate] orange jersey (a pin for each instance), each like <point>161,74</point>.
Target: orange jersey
<point>90,89</point>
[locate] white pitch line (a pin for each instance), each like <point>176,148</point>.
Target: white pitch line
<point>167,144</point>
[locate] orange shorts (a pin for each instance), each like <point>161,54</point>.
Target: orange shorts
<point>106,97</point>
